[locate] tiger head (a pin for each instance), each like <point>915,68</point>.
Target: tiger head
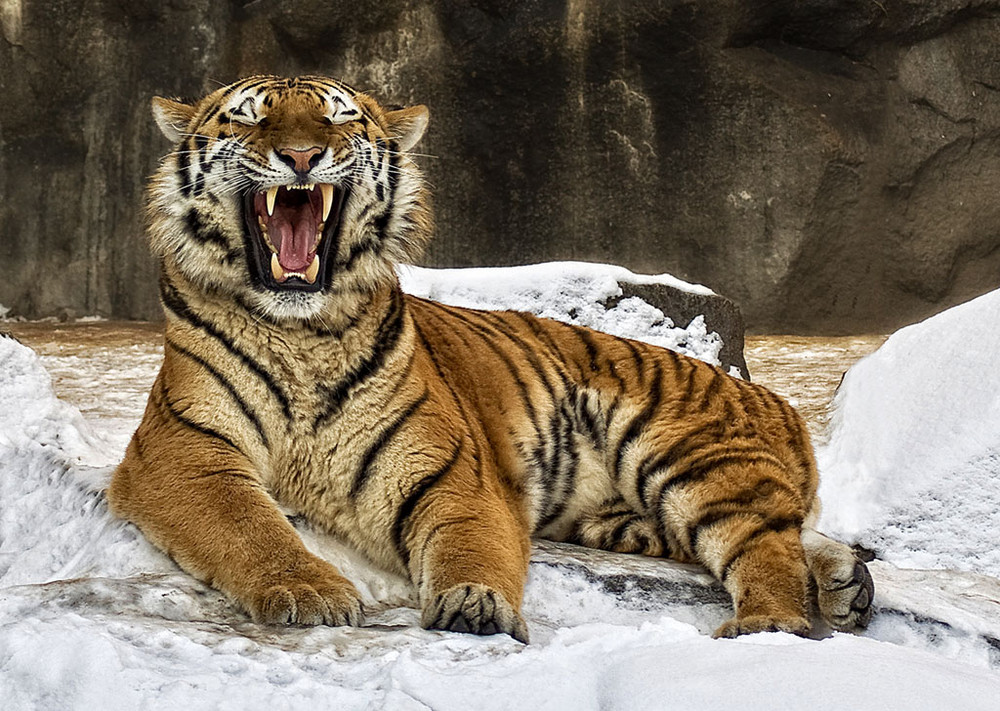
<point>285,193</point>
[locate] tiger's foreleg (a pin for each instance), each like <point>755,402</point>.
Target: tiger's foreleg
<point>468,556</point>
<point>199,500</point>
<point>742,521</point>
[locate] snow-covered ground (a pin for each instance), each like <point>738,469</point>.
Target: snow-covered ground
<point>92,616</point>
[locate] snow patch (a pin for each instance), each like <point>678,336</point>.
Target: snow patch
<point>571,292</point>
<point>912,465</point>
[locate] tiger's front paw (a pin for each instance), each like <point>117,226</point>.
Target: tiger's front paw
<point>312,594</point>
<point>474,608</point>
<point>762,623</point>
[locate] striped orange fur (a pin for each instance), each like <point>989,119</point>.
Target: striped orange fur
<point>437,440</point>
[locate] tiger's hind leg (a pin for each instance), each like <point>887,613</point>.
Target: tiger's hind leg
<point>844,587</point>
<point>741,519</point>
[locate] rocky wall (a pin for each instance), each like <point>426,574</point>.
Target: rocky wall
<point>831,165</point>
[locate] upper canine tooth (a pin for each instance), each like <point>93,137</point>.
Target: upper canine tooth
<point>272,193</point>
<point>327,191</point>
<point>276,269</point>
<point>313,270</point>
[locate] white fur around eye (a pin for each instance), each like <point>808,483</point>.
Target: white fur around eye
<point>341,109</point>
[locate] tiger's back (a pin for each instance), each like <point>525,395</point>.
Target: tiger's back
<point>436,439</point>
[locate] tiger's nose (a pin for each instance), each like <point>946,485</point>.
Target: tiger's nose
<point>301,161</point>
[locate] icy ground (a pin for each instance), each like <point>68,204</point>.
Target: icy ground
<point>93,617</point>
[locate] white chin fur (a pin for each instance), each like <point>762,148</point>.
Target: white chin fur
<point>289,306</point>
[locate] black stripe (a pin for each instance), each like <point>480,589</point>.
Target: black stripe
<point>502,326</point>
<point>363,473</point>
<point>701,469</point>
<point>199,185</point>
<point>183,165</point>
<point>359,249</point>
<point>389,331</point>
<point>618,532</point>
<point>200,232</point>
<point>176,304</point>
<point>188,422</point>
<point>637,361</point>
<point>587,422</point>
<point>684,401</point>
<point>793,426</point>
<point>537,328</point>
<point>459,403</point>
<point>382,221</point>
<point>713,515</point>
<point>209,115</point>
<point>711,391</point>
<point>774,524</point>
<point>416,493</point>
<point>641,420</point>
<point>683,448</point>
<point>484,334</point>
<point>248,411</point>
<point>590,346</point>
<point>557,488</point>
<point>235,473</point>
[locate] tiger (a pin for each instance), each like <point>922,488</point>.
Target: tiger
<point>298,378</point>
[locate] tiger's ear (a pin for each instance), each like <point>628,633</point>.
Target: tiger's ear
<point>407,126</point>
<point>173,117</point>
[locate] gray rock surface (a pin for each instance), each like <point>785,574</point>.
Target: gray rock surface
<point>831,165</point>
<point>722,316</point>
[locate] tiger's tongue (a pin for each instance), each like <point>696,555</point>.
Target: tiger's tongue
<point>293,232</point>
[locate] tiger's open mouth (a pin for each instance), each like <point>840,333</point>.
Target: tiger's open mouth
<point>291,229</point>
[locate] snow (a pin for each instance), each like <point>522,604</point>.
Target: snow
<point>92,616</point>
<point>912,466</point>
<point>572,292</point>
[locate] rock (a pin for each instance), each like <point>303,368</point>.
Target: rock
<point>659,309</point>
<point>721,315</point>
<point>830,165</point>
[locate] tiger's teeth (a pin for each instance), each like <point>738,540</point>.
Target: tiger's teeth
<point>276,269</point>
<point>327,191</point>
<point>313,270</point>
<point>272,193</point>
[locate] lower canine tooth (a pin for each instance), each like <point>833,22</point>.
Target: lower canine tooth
<point>276,269</point>
<point>313,270</point>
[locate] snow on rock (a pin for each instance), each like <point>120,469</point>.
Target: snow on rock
<point>572,292</point>
<point>912,466</point>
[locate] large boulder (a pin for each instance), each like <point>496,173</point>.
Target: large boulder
<point>828,164</point>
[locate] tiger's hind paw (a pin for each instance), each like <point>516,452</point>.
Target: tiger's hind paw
<point>845,602</point>
<point>844,587</point>
<point>762,623</point>
<point>474,608</point>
